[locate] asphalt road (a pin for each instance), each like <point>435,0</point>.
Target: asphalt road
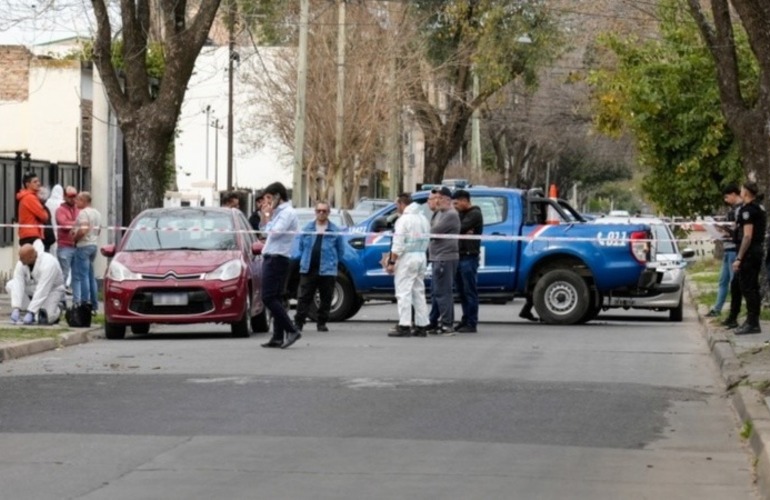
<point>624,407</point>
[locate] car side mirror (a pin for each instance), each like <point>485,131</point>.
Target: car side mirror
<point>256,247</point>
<point>108,250</point>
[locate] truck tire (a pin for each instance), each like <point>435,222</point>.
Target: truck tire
<point>677,313</point>
<point>561,297</point>
<point>344,299</point>
<point>594,308</point>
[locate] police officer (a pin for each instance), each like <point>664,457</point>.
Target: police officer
<point>750,235</point>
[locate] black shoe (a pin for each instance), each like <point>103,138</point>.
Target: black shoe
<point>466,329</point>
<point>322,328</point>
<point>713,314</point>
<point>401,331</point>
<point>419,331</point>
<point>729,323</point>
<point>746,329</point>
<point>528,315</point>
<point>42,317</point>
<point>291,337</point>
<point>433,329</point>
<point>273,344</point>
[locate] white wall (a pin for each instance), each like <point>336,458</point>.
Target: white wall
<point>208,87</point>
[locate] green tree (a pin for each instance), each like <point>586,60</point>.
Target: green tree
<point>664,93</point>
<point>147,113</point>
<point>499,40</point>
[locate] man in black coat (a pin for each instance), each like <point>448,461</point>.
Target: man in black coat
<point>471,226</point>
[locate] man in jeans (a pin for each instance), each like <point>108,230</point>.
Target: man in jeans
<point>281,223</point>
<point>86,235</point>
<point>66,215</point>
<point>732,196</point>
<point>471,224</point>
<point>443,253</point>
<point>320,248</point>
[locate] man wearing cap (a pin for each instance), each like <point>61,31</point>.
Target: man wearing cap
<point>751,222</point>
<point>443,252</point>
<point>471,224</point>
<point>66,215</point>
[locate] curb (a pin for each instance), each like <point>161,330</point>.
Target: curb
<point>748,402</point>
<point>29,347</point>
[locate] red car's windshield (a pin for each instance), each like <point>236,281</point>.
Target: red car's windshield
<point>188,229</point>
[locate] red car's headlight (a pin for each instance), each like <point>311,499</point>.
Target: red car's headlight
<point>228,271</point>
<point>119,272</point>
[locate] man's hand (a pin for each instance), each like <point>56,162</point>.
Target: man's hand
<point>15,316</point>
<point>29,318</point>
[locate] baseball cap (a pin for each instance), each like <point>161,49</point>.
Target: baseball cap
<point>443,191</point>
<point>461,194</point>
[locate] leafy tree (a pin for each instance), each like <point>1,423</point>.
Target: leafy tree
<point>147,113</point>
<point>664,92</point>
<point>741,53</point>
<point>499,40</point>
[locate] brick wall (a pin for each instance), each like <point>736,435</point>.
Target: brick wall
<point>14,72</point>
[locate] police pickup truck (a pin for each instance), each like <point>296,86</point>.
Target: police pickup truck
<point>567,267</point>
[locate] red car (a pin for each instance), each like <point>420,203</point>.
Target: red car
<point>182,266</point>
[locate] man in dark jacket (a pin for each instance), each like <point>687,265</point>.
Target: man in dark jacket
<point>443,253</point>
<point>471,224</point>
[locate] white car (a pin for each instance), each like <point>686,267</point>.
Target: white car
<point>670,262</point>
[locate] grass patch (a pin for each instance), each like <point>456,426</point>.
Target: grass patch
<point>14,333</point>
<point>747,429</point>
<point>704,278</point>
<point>705,266</point>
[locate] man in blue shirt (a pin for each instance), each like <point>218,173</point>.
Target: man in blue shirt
<point>280,224</point>
<point>319,251</point>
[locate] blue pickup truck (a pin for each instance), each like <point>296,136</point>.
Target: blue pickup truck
<point>567,269</point>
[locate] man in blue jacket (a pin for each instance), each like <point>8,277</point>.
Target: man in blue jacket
<point>319,250</point>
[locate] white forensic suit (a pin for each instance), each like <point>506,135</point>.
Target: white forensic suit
<point>39,288</point>
<point>410,242</point>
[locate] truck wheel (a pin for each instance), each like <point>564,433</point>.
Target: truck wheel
<point>677,313</point>
<point>594,308</point>
<point>344,299</point>
<point>561,297</point>
<point>359,303</point>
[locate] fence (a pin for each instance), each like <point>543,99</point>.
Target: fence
<point>12,170</point>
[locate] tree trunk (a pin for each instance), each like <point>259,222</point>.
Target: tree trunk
<point>146,169</point>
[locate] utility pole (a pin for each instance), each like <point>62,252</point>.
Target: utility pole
<point>231,57</point>
<point>339,175</point>
<point>216,155</point>
<point>299,193</point>
<point>208,113</point>
<point>475,130</point>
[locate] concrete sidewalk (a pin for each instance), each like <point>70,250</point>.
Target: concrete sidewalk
<point>744,362</point>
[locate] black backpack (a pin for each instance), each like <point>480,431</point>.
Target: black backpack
<point>79,316</point>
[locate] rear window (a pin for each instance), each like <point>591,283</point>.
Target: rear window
<point>664,240</point>
<point>182,230</point>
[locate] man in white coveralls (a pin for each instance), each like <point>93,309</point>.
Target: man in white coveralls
<point>409,261</point>
<point>37,287</point>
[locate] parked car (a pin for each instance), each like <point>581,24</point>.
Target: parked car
<point>339,216</point>
<point>669,260</point>
<point>183,266</point>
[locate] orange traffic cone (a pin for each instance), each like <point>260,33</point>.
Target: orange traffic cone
<point>552,217</point>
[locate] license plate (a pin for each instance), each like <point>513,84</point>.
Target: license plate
<point>169,299</point>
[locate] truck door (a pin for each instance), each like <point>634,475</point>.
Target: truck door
<point>496,266</point>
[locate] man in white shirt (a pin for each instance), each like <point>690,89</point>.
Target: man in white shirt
<point>37,287</point>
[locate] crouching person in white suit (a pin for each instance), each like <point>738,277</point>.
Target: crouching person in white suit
<point>37,287</point>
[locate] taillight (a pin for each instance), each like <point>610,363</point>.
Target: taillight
<point>640,246</point>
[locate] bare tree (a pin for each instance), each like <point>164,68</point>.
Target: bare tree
<point>373,40</point>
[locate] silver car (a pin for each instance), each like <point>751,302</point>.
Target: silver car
<point>669,260</point>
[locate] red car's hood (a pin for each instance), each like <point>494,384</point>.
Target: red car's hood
<point>179,261</point>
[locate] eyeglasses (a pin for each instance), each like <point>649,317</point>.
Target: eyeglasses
<point>321,211</point>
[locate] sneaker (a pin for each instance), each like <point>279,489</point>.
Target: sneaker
<point>42,317</point>
<point>432,329</point>
<point>528,316</point>
<point>401,331</point>
<point>447,331</point>
<point>729,323</point>
<point>419,331</point>
<point>322,328</point>
<point>746,329</point>
<point>466,329</point>
<point>713,314</point>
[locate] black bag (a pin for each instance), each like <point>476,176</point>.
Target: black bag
<point>79,316</point>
